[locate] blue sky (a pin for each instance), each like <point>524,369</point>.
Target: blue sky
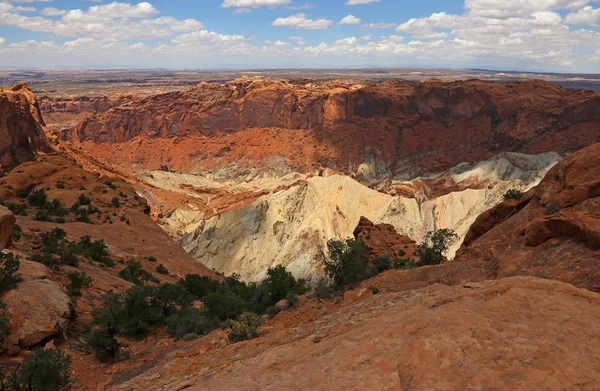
<point>545,35</point>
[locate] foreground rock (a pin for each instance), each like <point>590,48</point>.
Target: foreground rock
<point>21,127</point>
<point>516,333</point>
<point>7,222</point>
<point>38,310</point>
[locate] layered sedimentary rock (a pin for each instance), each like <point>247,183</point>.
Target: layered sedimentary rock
<point>369,129</point>
<point>21,127</point>
<point>291,227</point>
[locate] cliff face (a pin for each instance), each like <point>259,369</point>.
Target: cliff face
<point>406,128</point>
<point>21,127</point>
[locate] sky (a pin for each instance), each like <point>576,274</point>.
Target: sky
<point>531,35</point>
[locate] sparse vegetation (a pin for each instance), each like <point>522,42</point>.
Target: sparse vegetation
<point>245,328</point>
<point>111,185</point>
<point>135,273</point>
<point>43,370</point>
<point>17,233</point>
<point>9,271</point>
<point>553,208</point>
<point>78,280</point>
<point>190,321</point>
<point>4,320</point>
<point>431,251</point>
<point>161,269</point>
<point>347,262</point>
<point>513,194</point>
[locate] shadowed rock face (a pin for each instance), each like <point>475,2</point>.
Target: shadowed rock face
<point>21,127</point>
<point>405,128</point>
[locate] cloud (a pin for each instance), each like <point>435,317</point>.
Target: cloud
<point>113,20</point>
<point>378,25</point>
<point>299,21</point>
<point>585,16</point>
<point>357,2</point>
<point>350,19</point>
<point>254,3</point>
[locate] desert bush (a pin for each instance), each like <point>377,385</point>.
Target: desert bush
<point>280,282</point>
<point>168,298</point>
<point>553,208</point>
<point>347,261</point>
<point>17,232</point>
<point>322,289</point>
<point>513,194</point>
<point>43,370</point>
<point>9,271</point>
<point>84,200</point>
<point>431,251</point>
<point>104,345</point>
<point>135,273</point>
<point>224,306</point>
<point>382,263</point>
<point>190,321</point>
<point>115,202</point>
<point>4,320</point>
<point>404,263</point>
<point>200,286</point>
<point>17,209</point>
<point>37,198</point>
<point>78,280</point>
<point>245,328</point>
<point>111,185</point>
<point>161,269</point>
<point>292,299</point>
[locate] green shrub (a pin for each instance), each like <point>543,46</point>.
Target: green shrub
<point>60,185</point>
<point>135,273</point>
<point>78,280</point>
<point>553,208</point>
<point>374,290</point>
<point>404,263</point>
<point>324,290</point>
<point>161,269</point>
<point>347,261</point>
<point>245,328</point>
<point>111,185</point>
<point>280,283</point>
<point>431,251</point>
<point>273,310</point>
<point>168,298</point>
<point>104,345</point>
<point>84,200</point>
<point>200,286</point>
<point>513,194</point>
<point>190,321</point>
<point>115,202</point>
<point>224,306</point>
<point>18,209</point>
<point>4,320</point>
<point>382,263</point>
<point>43,370</point>
<point>151,259</point>
<point>9,268</point>
<point>17,232</point>
<point>292,299</point>
<point>22,193</point>
<point>37,198</point>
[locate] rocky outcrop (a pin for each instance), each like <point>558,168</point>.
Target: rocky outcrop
<point>516,333</point>
<point>7,222</point>
<point>539,234</point>
<point>38,310</point>
<point>369,129</point>
<point>21,127</point>
<point>291,227</point>
<point>382,240</point>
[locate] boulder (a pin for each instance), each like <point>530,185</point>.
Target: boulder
<point>7,222</point>
<point>38,310</point>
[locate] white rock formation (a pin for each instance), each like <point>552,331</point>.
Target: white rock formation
<point>291,227</point>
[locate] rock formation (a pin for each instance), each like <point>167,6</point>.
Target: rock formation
<point>291,227</point>
<point>382,240</point>
<point>370,129</point>
<point>515,333</point>
<point>21,127</point>
<point>7,222</point>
